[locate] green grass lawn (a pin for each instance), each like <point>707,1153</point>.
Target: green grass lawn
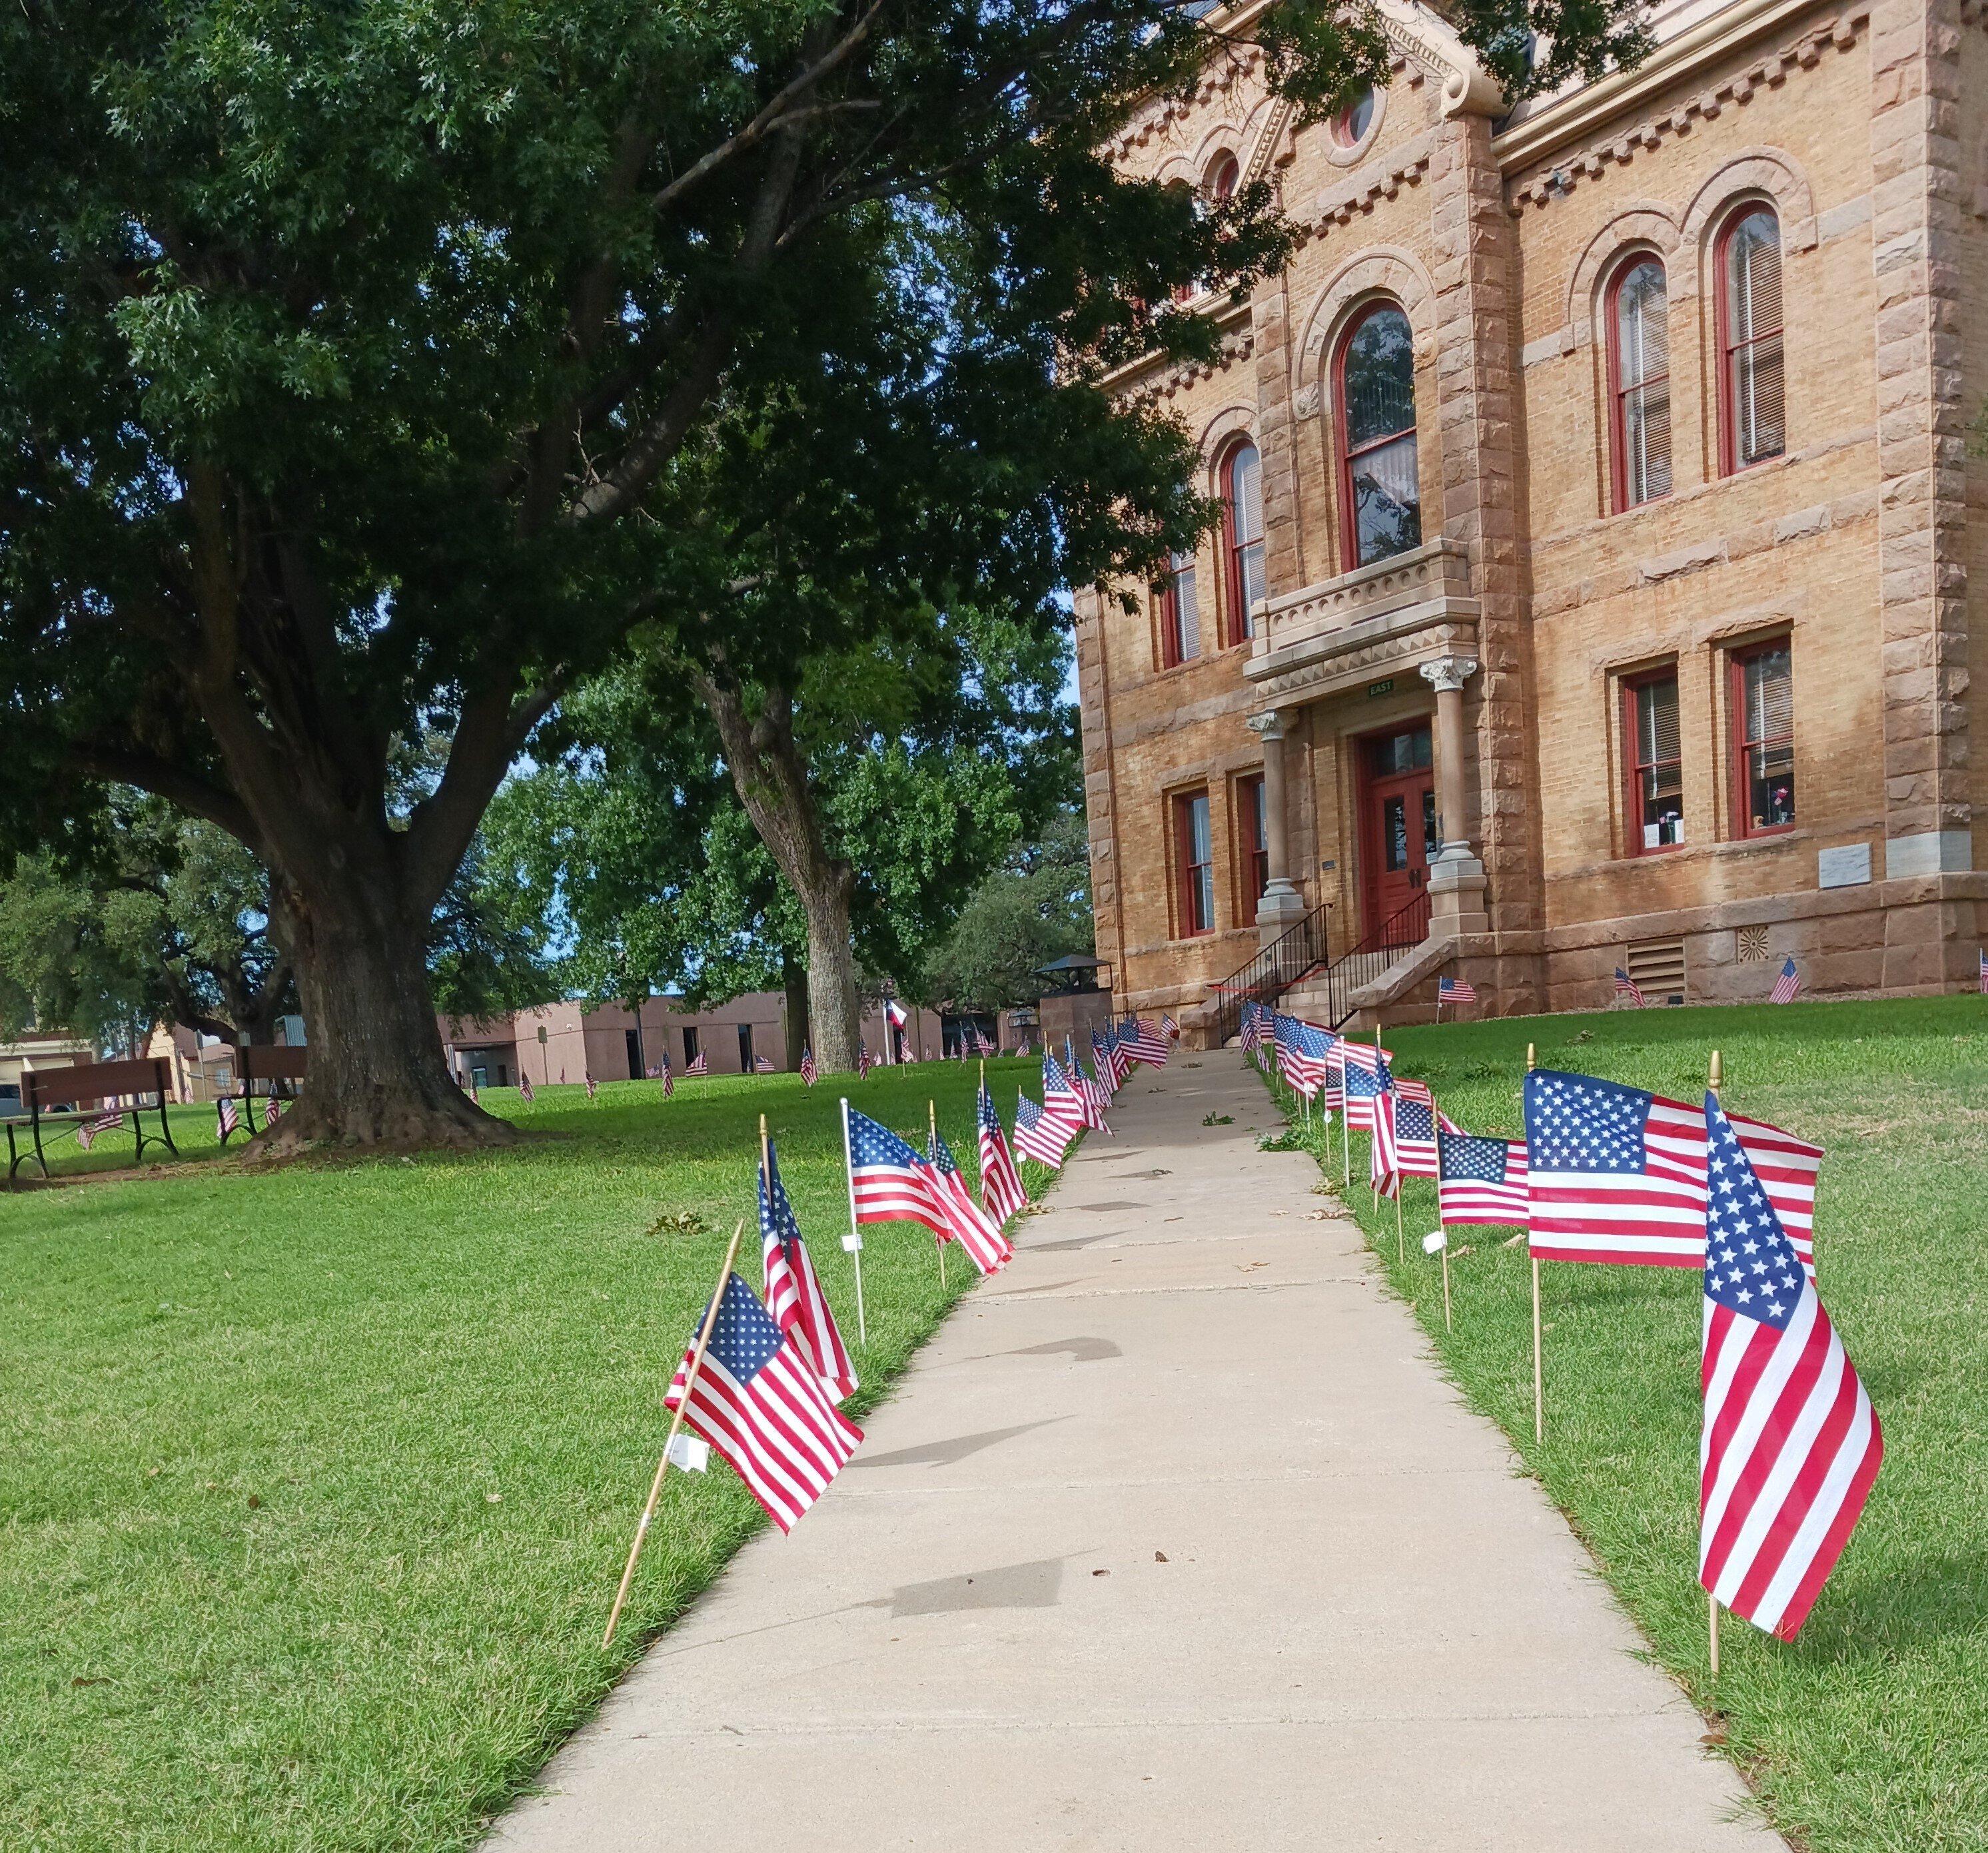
<point>1870,1733</point>
<point>315,1483</point>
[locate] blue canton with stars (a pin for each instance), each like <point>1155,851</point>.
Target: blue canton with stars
<point>743,1338</point>
<point>1574,1123</point>
<point>1365,1084</point>
<point>871,1144</point>
<point>1462,1155</point>
<point>941,1154</point>
<point>776,1214</point>
<point>1750,1265</point>
<point>1414,1122</point>
<point>986,1117</point>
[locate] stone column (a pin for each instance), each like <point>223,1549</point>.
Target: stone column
<point>1282,906</point>
<point>1456,877</point>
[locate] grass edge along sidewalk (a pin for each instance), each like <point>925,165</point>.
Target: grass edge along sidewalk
<point>319,1476</point>
<point>1869,1732</point>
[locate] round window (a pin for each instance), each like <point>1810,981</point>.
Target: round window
<point>1350,126</point>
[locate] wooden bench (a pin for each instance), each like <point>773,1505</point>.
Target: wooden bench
<point>270,1062</point>
<point>56,1096</point>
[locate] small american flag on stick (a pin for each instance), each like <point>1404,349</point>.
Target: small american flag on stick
<point>1169,1027</point>
<point>810,1073</point>
<point>794,1297</point>
<point>1626,986</point>
<point>970,1226</point>
<point>592,1089</point>
<point>272,1110</point>
<point>1480,1180</point>
<point>1001,1192</point>
<point>761,1404</point>
<point>669,1078</point>
<point>525,1088</point>
<point>763,1065</point>
<point>86,1134</point>
<point>1790,1444</point>
<point>863,1065</point>
<point>1455,990</point>
<point>697,1064</point>
<point>890,1182</point>
<point>1787,986</point>
<point>228,1116</point>
<point>1984,971</point>
<point>1037,1135</point>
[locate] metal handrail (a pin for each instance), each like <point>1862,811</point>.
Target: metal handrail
<point>1367,959</point>
<point>1292,955</point>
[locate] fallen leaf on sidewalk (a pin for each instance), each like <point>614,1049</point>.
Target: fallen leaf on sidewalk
<point>1159,1556</point>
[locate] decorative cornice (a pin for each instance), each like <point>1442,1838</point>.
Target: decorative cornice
<point>1468,89</point>
<point>1589,112</point>
<point>1237,345</point>
<point>1223,72</point>
<point>1358,196</point>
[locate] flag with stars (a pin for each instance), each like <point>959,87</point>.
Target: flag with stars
<point>986,1248</point>
<point>1304,1054</point>
<point>1001,1192</point>
<point>228,1117</point>
<point>809,1073</point>
<point>1095,1096</point>
<point>1383,1161</point>
<point>763,1065</point>
<point>1415,1130</point>
<point>1790,1444</point>
<point>1148,1043</point>
<point>1063,1106</point>
<point>1455,990</point>
<point>669,1076</point>
<point>525,1089</point>
<point>1480,1180</point>
<point>1168,1027</point>
<point>1787,986</point>
<point>592,1089</point>
<point>1364,1083</point>
<point>1617,1175</point>
<point>1104,1061</point>
<point>272,1110</point>
<point>1626,986</point>
<point>761,1404</point>
<point>794,1297</point>
<point>863,1065</point>
<point>87,1132</point>
<point>697,1066</point>
<point>1037,1135</point>
<point>890,1181</point>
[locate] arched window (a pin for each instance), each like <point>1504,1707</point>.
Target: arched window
<point>1752,424</point>
<point>1223,175</point>
<point>1639,382</point>
<point>1350,126</point>
<point>1379,484</point>
<point>1180,613</point>
<point>1243,537</point>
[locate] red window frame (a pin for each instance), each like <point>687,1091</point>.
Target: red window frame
<point>1252,839</point>
<point>1235,620</point>
<point>1350,561</point>
<point>1167,594</point>
<point>1728,415</point>
<point>1223,172</point>
<point>1190,891</point>
<point>1635,766</point>
<point>1618,425</point>
<point>1736,663</point>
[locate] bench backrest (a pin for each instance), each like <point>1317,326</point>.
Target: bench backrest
<point>88,1082</point>
<point>271,1062</point>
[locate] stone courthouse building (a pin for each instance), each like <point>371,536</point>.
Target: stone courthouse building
<point>1593,587</point>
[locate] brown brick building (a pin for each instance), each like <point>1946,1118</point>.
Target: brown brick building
<point>1594,588</point>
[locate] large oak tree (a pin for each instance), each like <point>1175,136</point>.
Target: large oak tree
<point>348,349</point>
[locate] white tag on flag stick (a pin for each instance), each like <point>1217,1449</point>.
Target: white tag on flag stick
<point>852,1244</point>
<point>689,1453</point>
<point>1435,1241</point>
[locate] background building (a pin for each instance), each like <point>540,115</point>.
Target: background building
<point>1593,587</point>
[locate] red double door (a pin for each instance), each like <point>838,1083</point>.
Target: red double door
<point>1398,822</point>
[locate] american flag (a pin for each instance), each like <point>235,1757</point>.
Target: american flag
<point>1104,1059</point>
<point>809,1073</point>
<point>525,1088</point>
<point>1367,1079</point>
<point>1037,1135</point>
<point>1619,1175</point>
<point>1095,1096</point>
<point>1416,1131</point>
<point>1171,1029</point>
<point>1383,1162</point>
<point>1787,985</point>
<point>228,1115</point>
<point>864,1063</point>
<point>1626,986</point>
<point>669,1078</point>
<point>763,1065</point>
<point>986,1248</point>
<point>794,1297</point>
<point>1984,971</point>
<point>86,1134</point>
<point>1480,1180</point>
<point>1455,990</point>
<point>272,1111</point>
<point>1063,1107</point>
<point>1790,1443</point>
<point>890,1181</point>
<point>759,1403</point>
<point>1252,1022</point>
<point>1304,1054</point>
<point>1001,1192</point>
<point>697,1064</point>
<point>1148,1043</point>
<point>591,1089</point>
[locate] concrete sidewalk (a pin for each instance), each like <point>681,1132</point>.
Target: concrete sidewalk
<point>1171,1538</point>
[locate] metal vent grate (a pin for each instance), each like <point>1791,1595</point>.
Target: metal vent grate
<point>1657,967</point>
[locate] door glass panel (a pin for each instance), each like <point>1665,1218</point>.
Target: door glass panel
<point>1395,832</point>
<point>1430,844</point>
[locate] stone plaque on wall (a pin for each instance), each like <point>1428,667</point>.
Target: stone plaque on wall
<point>1847,867</point>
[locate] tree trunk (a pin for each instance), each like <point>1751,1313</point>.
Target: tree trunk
<point>794,983</point>
<point>834,1007</point>
<point>379,1078</point>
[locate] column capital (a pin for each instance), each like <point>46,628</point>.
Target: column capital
<point>1448,673</point>
<point>1275,725</point>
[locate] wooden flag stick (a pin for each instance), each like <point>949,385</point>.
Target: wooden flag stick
<point>1374,1111</point>
<point>931,1113</point>
<point>855,1243</point>
<point>1715,1078</point>
<point>1539,1369</point>
<point>676,1426</point>
<point>1446,1286</point>
<point>1400,1241</point>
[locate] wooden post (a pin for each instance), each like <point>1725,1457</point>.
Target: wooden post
<point>1715,1078</point>
<point>1539,1369</point>
<point>931,1151</point>
<point>854,1244</point>
<point>676,1426</point>
<point>1400,1241</point>
<point>1446,1286</point>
